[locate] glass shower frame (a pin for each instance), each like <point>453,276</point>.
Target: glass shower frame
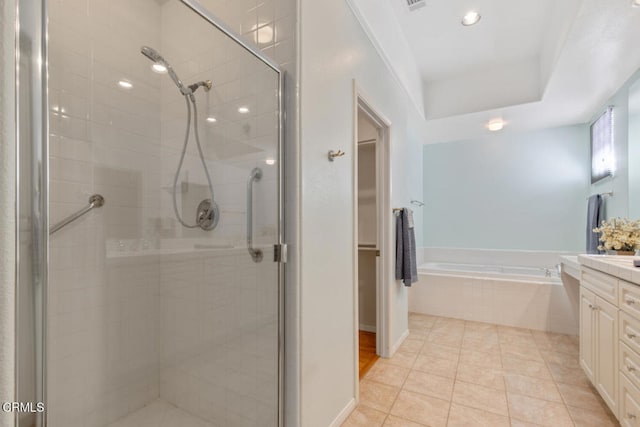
<point>32,124</point>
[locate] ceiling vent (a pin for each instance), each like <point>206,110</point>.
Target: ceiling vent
<point>415,4</point>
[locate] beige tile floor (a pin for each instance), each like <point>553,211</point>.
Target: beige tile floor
<point>452,372</point>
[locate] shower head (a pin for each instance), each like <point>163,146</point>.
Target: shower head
<point>152,54</point>
<point>155,56</point>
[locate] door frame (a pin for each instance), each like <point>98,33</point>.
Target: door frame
<point>384,267</point>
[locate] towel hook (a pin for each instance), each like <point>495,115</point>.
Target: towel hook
<point>334,154</point>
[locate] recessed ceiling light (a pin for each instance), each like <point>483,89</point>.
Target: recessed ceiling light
<point>159,68</point>
<point>243,110</point>
<point>471,18</point>
<point>635,3</point>
<point>263,33</point>
<point>270,161</point>
<point>212,119</point>
<point>125,84</point>
<point>495,125</point>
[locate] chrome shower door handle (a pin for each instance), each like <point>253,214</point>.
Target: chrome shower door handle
<point>256,254</point>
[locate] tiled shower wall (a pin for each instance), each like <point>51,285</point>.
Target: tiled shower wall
<point>117,322</point>
<point>103,313</point>
<point>218,308</point>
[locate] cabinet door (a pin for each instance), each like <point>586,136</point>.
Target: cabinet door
<point>606,347</point>
<point>587,332</point>
<point>629,415</point>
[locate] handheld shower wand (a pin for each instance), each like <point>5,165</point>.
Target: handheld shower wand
<point>208,214</point>
<point>155,56</point>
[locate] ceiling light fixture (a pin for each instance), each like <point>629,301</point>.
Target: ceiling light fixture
<point>125,84</point>
<point>471,18</point>
<point>212,119</point>
<point>263,33</point>
<point>270,161</point>
<point>635,3</point>
<point>495,125</point>
<point>243,110</point>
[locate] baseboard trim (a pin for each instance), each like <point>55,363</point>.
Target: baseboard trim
<point>344,414</point>
<point>367,328</point>
<point>398,343</point>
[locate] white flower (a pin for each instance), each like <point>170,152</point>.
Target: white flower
<point>619,234</point>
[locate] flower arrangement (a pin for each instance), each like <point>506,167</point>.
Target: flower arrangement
<point>620,234</point>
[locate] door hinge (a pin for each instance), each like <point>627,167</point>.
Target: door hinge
<point>280,253</point>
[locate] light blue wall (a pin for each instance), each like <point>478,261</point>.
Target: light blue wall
<point>508,191</point>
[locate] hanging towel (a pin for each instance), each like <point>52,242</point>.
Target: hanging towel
<point>406,268</point>
<point>594,217</point>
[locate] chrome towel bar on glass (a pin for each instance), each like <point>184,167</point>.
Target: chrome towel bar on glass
<point>95,201</point>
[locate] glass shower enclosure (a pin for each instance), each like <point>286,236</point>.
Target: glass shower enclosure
<point>150,218</point>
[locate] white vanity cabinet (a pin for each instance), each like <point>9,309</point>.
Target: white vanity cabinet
<point>610,332</point>
<point>599,345</point>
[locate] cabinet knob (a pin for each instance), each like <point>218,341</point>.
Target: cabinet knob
<point>630,301</point>
<point>591,306</point>
<point>631,335</point>
<point>630,368</point>
<point>631,416</point>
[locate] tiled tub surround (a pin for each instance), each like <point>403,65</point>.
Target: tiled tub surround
<point>452,372</point>
<point>503,287</point>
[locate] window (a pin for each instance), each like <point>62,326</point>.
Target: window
<point>602,154</point>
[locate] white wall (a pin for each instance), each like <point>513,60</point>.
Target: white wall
<point>7,206</point>
<point>334,51</point>
<point>508,191</point>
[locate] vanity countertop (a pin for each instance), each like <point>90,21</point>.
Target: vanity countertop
<point>616,265</point>
<point>571,266</point>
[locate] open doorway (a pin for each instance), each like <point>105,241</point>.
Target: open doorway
<point>368,247</point>
<point>373,251</point>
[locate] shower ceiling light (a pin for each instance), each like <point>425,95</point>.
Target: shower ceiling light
<point>270,161</point>
<point>212,119</point>
<point>495,125</point>
<point>125,84</point>
<point>159,68</point>
<point>471,18</point>
<point>262,33</point>
<point>243,110</point>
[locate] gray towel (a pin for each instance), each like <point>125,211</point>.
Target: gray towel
<point>594,217</point>
<point>406,268</point>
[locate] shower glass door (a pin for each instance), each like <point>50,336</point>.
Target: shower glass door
<point>164,303</point>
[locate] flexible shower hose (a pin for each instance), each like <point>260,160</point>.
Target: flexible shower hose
<point>184,151</point>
